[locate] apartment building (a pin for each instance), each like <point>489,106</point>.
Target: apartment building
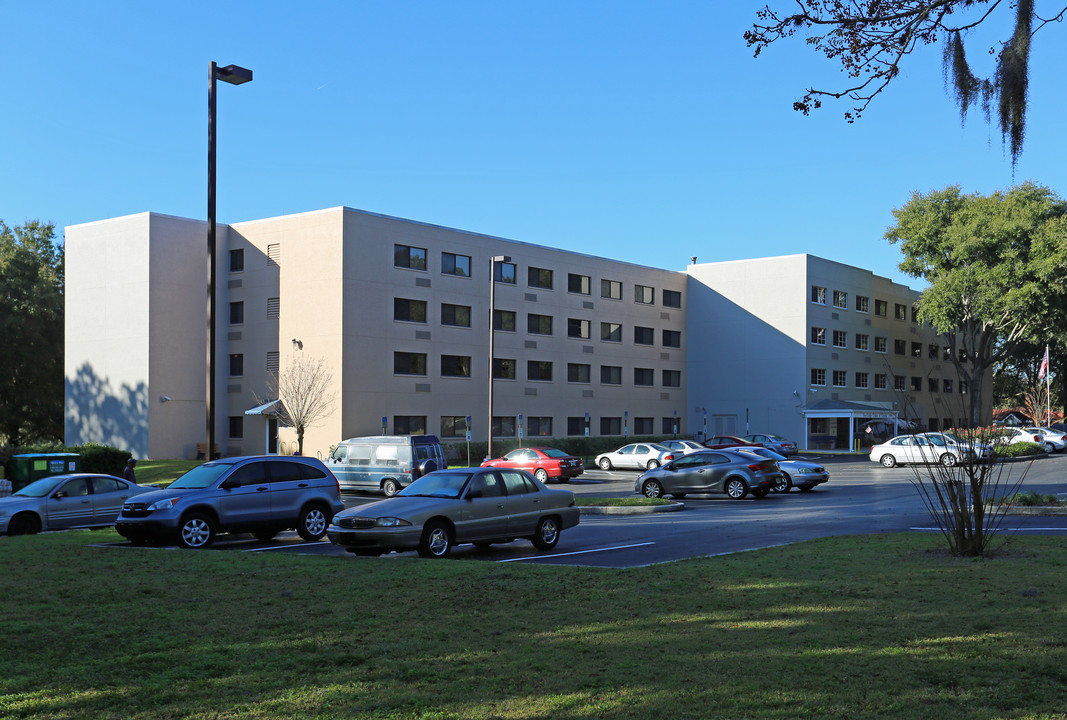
<point>399,313</point>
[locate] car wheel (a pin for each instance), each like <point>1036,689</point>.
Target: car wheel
<point>541,474</point>
<point>266,534</point>
<point>605,464</point>
<point>436,540</point>
<point>782,484</point>
<point>888,460</point>
<point>547,534</point>
<point>948,459</point>
<point>390,487</point>
<point>196,531</point>
<point>312,523</point>
<point>652,489</point>
<point>652,465</point>
<point>24,524</point>
<point>1050,448</point>
<point>736,488</point>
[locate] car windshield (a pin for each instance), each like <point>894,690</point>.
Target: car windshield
<point>445,484</point>
<point>201,476</point>
<point>38,488</point>
<point>553,452</point>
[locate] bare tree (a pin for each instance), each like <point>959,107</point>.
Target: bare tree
<point>305,388</point>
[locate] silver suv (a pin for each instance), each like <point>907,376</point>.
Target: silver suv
<point>262,495</point>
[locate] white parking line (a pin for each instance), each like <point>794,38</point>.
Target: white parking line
<point>579,552</point>
<point>284,547</point>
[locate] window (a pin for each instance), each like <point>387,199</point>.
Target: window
<point>407,310</point>
<point>237,365</point>
<point>611,332</point>
<point>818,376</point>
<point>900,383</point>
<point>578,372</point>
<point>644,377</point>
<point>862,380</point>
<point>963,388</point>
<point>933,352</point>
<point>669,425</point>
<point>862,341</point>
<point>580,284</point>
<point>946,385</point>
<point>900,347</point>
<point>237,260</point>
<point>504,426</point>
<point>413,258</point>
<point>504,320</point>
<point>644,336</point>
<point>946,353</point>
<point>455,315</point>
<point>644,426</point>
<point>539,426</point>
<point>916,384</point>
<point>880,344</point>
<point>455,366</point>
<point>818,336</point>
<point>818,295</point>
<point>504,369</point>
<point>672,338</point>
<point>611,289</point>
<point>840,338</point>
<point>863,304</point>
<point>841,299</point>
<point>672,298</point>
<point>914,314</point>
<point>917,349</point>
<point>274,308</point>
<point>539,324</point>
<point>237,427</point>
<point>409,363</point>
<point>672,378</point>
<point>610,375</point>
<point>578,328</point>
<point>539,278</point>
<point>880,381</point>
<point>881,308</point>
<point>611,426</point>
<point>840,378</point>
<point>932,385</point>
<point>409,424</point>
<point>817,425</point>
<point>900,311</point>
<point>576,425</point>
<point>540,370</point>
<point>644,294</point>
<point>504,272</point>
<point>452,264</point>
<point>237,313</point>
<point>453,426</point>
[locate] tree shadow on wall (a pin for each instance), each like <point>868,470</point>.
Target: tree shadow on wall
<point>96,412</point>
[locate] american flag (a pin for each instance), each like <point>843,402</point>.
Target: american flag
<point>1044,365</point>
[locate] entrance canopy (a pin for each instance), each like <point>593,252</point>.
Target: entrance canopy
<point>849,415</point>
<point>273,408</point>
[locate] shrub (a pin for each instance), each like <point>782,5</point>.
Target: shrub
<point>1031,499</point>
<point>94,458</point>
<point>1019,449</point>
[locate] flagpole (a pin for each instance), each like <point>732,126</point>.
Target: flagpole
<point>1048,390</point>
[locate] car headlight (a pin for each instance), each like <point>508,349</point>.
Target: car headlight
<point>163,504</point>
<point>391,522</point>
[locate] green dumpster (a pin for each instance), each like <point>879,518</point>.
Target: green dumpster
<point>24,469</point>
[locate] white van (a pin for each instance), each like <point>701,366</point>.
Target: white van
<point>385,463</point>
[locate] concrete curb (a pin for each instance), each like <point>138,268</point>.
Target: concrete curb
<point>629,509</point>
<point>1033,510</point>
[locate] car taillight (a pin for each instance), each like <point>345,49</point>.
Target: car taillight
<point>667,458</point>
<point>756,467</point>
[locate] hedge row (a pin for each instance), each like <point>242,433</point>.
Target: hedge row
<point>94,458</point>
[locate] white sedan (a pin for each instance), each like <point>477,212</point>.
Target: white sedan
<point>1052,440</point>
<point>928,448</point>
<point>637,456</point>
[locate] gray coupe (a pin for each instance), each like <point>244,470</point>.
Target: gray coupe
<point>66,501</point>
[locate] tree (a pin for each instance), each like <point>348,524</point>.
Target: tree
<point>305,388</point>
<point>31,325</point>
<point>871,38</point>
<point>996,272</point>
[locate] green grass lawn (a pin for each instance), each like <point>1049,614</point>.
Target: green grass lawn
<point>162,472</point>
<point>884,626</point>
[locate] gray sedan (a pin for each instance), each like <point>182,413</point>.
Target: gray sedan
<point>66,501</point>
<point>461,505</point>
<point>710,471</point>
<point>795,473</point>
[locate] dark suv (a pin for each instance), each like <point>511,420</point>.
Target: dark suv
<point>262,495</point>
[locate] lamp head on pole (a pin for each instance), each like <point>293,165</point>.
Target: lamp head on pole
<point>234,74</point>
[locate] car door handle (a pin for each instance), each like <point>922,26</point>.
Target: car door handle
<point>262,489</point>
<point>302,485</point>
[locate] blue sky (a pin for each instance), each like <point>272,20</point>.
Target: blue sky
<point>640,131</point>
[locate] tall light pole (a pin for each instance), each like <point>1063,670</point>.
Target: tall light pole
<point>492,335</point>
<point>234,75</point>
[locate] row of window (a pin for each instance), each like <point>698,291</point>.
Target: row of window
<point>862,341</point>
<point>862,303</point>
<point>862,380</point>
<point>414,258</point>
<point>507,426</point>
<point>413,363</point>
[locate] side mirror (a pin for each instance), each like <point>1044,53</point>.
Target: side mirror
<point>59,495</point>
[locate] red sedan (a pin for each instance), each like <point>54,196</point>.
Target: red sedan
<point>543,462</point>
<point>718,442</point>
